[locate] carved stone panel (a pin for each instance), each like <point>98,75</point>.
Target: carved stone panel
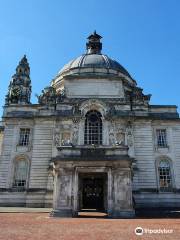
<point>63,134</point>
<point>65,138</point>
<point>120,137</point>
<point>65,188</point>
<point>116,134</point>
<point>122,190</point>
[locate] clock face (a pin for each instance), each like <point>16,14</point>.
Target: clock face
<point>15,91</point>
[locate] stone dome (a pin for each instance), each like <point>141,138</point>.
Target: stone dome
<point>93,61</point>
<point>85,75</point>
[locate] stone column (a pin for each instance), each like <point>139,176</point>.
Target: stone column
<point>122,194</point>
<point>62,199</point>
<point>105,133</point>
<point>75,193</point>
<point>109,196</point>
<point>81,131</point>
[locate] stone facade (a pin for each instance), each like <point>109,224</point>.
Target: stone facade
<point>92,141</point>
<point>1,136</point>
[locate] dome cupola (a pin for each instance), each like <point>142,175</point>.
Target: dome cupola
<point>94,46</point>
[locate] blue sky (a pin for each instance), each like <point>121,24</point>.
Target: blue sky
<point>143,35</point>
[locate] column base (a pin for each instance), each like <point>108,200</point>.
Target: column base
<point>64,213</point>
<point>122,214</point>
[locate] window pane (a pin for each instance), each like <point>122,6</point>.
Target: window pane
<point>161,137</point>
<point>93,128</point>
<point>24,136</point>
<point>164,175</point>
<point>20,174</point>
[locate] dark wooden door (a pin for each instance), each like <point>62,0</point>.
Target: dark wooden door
<point>93,193</point>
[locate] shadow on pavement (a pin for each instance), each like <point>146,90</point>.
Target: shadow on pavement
<point>157,213</point>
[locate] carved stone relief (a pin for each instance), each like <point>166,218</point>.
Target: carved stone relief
<point>93,104</point>
<point>57,138</point>
<point>62,135</point>
<point>120,137</point>
<point>65,183</point>
<point>112,139</point>
<point>75,133</point>
<point>129,133</point>
<point>116,134</point>
<point>65,138</point>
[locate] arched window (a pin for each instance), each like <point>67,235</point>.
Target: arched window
<point>165,179</point>
<point>20,173</point>
<point>93,128</point>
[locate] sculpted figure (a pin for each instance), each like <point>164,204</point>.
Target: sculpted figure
<point>111,139</point>
<point>57,139</point>
<point>75,135</point>
<point>129,135</point>
<point>120,137</point>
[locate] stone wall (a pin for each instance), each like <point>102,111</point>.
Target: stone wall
<point>144,155</point>
<point>147,154</point>
<point>1,140</point>
<point>8,146</point>
<point>88,88</point>
<point>41,153</point>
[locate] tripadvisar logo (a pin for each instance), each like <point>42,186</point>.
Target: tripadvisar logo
<point>139,231</point>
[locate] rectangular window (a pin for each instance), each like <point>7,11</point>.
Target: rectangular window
<point>161,137</point>
<point>24,136</point>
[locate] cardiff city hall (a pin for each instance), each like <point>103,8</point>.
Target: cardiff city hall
<point>92,141</point>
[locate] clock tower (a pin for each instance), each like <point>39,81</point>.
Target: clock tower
<point>19,91</point>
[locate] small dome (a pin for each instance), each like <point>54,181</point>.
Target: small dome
<point>94,61</point>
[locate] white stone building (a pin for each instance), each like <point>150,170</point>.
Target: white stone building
<point>93,141</point>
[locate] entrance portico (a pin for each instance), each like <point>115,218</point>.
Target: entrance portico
<point>92,189</point>
<point>98,183</point>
